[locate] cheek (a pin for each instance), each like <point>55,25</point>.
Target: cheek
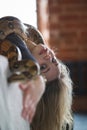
<point>39,60</point>
<point>52,74</point>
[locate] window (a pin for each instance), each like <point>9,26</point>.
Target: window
<point>25,10</point>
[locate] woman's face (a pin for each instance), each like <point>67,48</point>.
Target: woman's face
<point>48,64</point>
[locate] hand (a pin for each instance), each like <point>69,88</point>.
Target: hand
<point>32,92</point>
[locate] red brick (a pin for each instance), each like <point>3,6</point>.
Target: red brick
<point>67,25</point>
<point>72,17</point>
<point>74,26</point>
<point>68,1</point>
<point>76,8</point>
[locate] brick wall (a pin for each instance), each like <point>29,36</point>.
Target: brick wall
<point>69,27</point>
<point>64,26</point>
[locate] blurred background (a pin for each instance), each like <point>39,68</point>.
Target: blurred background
<point>63,24</point>
<point>23,9</point>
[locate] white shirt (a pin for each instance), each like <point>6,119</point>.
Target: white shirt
<point>10,101</point>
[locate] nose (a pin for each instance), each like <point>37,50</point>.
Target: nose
<point>43,50</point>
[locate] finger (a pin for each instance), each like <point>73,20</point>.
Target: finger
<point>22,86</point>
<point>31,113</point>
<point>28,113</point>
<point>27,107</point>
<point>31,116</point>
<point>28,101</point>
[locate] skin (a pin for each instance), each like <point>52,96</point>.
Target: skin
<point>34,89</point>
<point>32,92</point>
<point>48,63</point>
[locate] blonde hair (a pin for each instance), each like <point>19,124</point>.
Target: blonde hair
<point>54,109</point>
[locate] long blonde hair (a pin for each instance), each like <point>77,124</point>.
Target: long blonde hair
<point>54,109</point>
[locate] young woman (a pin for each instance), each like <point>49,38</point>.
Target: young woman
<point>53,110</point>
